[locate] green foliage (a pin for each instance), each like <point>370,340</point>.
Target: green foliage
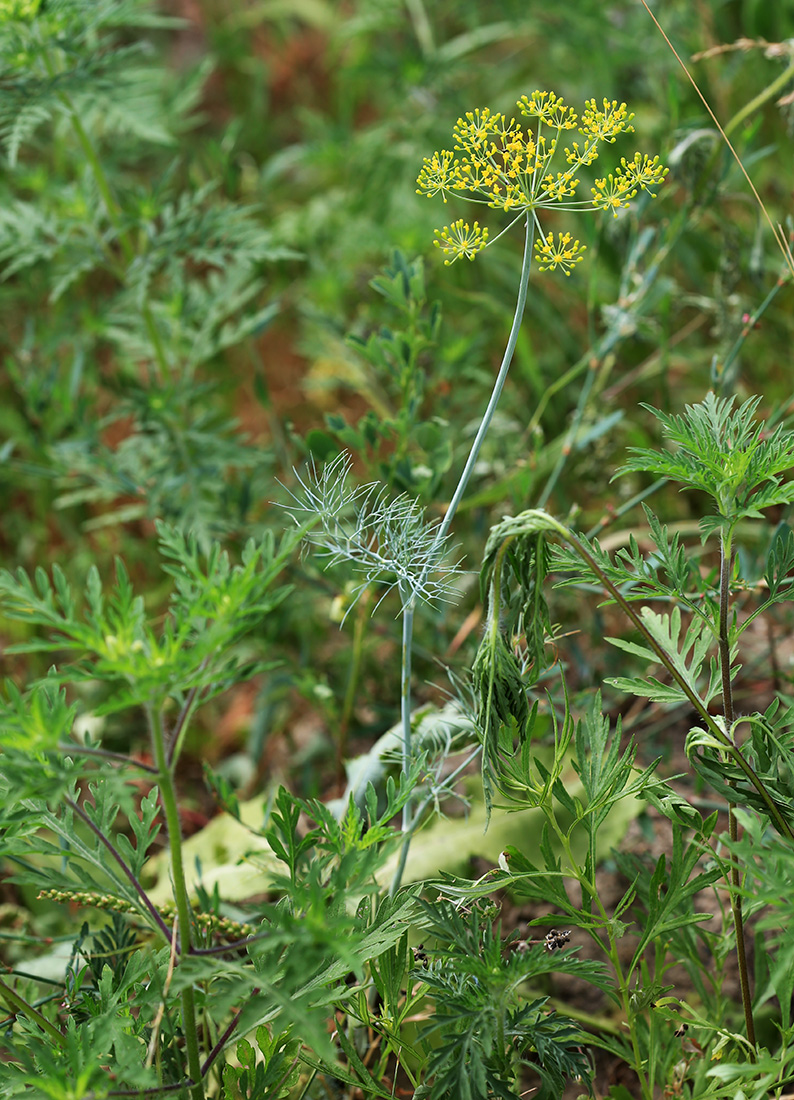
<point>396,378</point>
<point>269,1069</point>
<point>173,272</point>
<point>486,1027</point>
<point>511,654</point>
<point>668,573</point>
<point>39,717</point>
<point>767,747</point>
<point>731,457</point>
<point>213,606</point>
<point>687,654</point>
<point>387,541</point>
<point>170,193</point>
<point>725,453</point>
<point>93,63</point>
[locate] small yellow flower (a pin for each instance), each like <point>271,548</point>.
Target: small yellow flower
<point>605,124</point>
<point>586,155</point>
<point>643,171</point>
<point>613,193</point>
<point>557,188</point>
<point>475,133</point>
<point>439,175</point>
<point>548,107</point>
<point>564,254</point>
<point>459,240</point>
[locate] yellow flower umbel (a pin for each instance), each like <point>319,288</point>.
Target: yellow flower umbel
<point>499,164</point>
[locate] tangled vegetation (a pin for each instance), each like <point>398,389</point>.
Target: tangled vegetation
<point>290,805</point>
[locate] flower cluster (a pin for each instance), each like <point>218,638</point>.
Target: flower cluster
<point>563,254</point>
<point>500,164</point>
<point>462,240</point>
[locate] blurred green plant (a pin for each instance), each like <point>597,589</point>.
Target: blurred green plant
<point>109,245</point>
<point>418,451</point>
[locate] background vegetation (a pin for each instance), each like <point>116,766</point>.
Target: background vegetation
<point>265,225</point>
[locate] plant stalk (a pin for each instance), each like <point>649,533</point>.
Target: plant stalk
<point>405,714</point>
<point>496,393</point>
<point>352,684</point>
<point>168,800</point>
<point>726,565</point>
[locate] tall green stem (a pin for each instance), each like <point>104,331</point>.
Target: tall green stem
<point>352,684</point>
<point>726,565</point>
<point>405,715</point>
<point>768,93</point>
<point>168,798</point>
<point>409,605</point>
<point>496,393</point>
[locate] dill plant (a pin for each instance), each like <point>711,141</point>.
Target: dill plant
<point>496,163</point>
<point>390,544</point>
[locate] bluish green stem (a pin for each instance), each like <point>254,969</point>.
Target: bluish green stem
<point>352,683</point>
<point>405,700</point>
<point>501,377</point>
<point>405,715</point>
<point>443,530</point>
